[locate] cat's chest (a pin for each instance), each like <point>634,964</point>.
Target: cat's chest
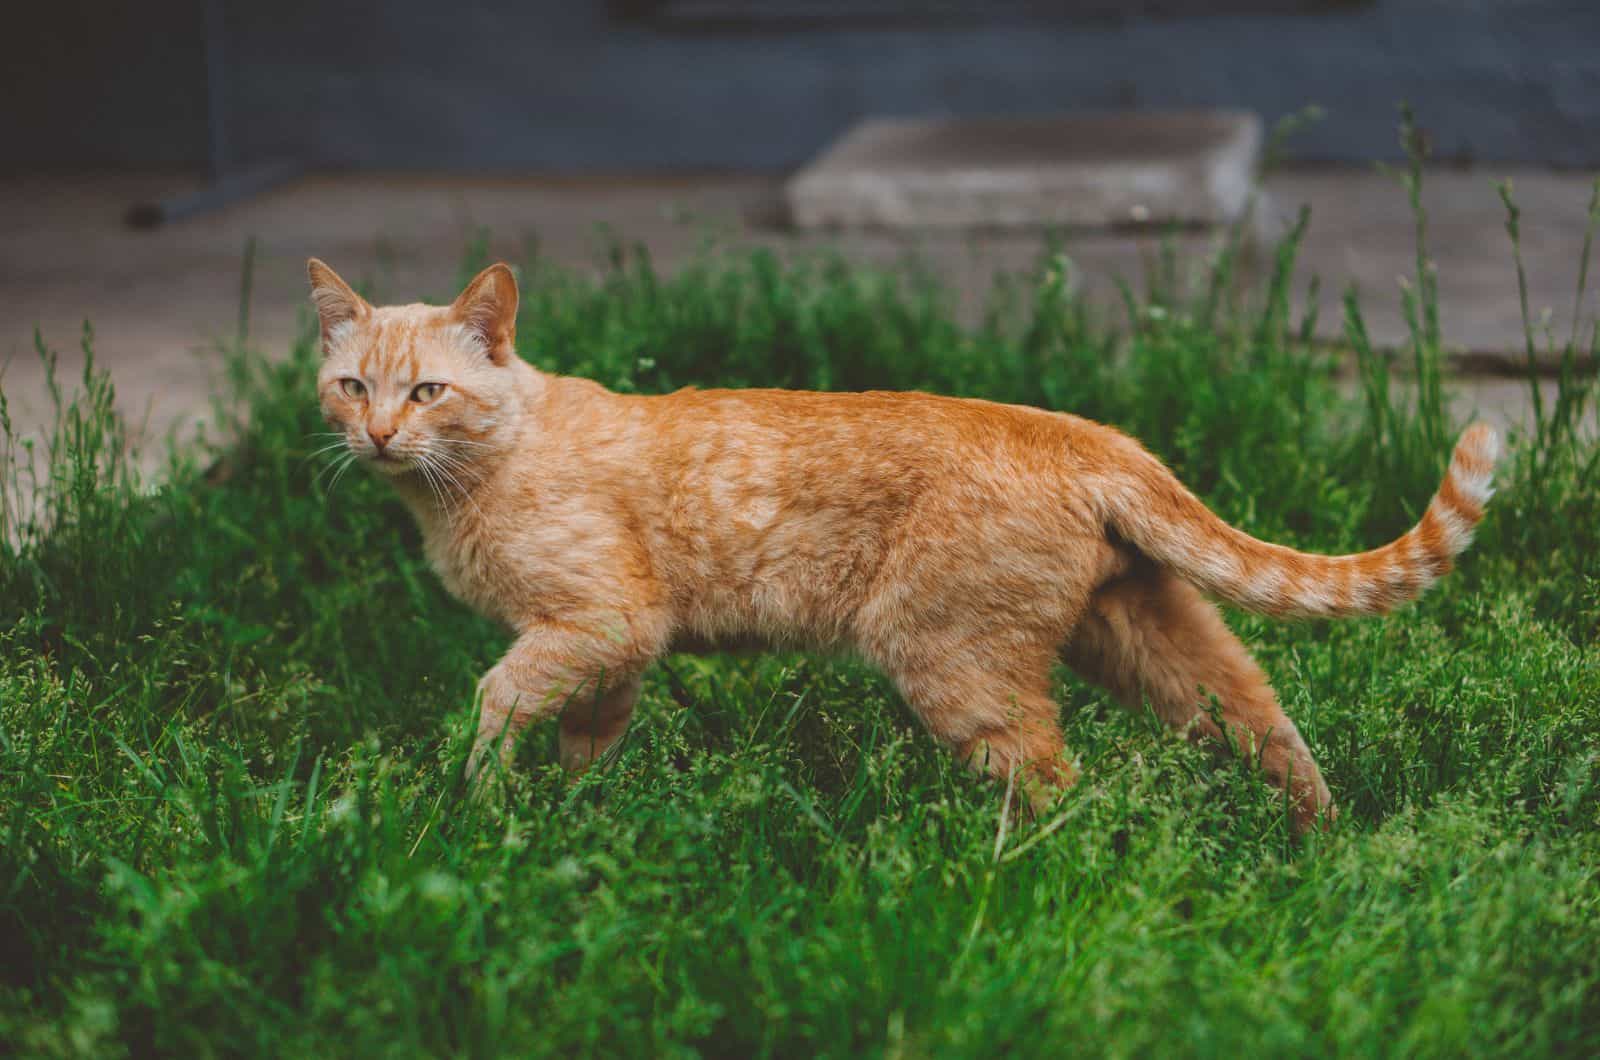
<point>469,564</point>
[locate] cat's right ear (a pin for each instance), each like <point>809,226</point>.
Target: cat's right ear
<point>336,302</point>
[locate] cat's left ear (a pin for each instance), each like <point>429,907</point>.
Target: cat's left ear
<point>489,308</point>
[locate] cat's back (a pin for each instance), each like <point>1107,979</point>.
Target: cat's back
<point>884,419</point>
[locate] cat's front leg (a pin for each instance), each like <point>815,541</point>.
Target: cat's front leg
<point>591,725</point>
<point>586,672</point>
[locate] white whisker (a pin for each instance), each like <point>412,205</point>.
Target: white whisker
<point>337,475</point>
<point>433,487</point>
<point>330,447</point>
<point>450,491</point>
<point>330,466</point>
<point>451,469</point>
<point>454,463</point>
<point>463,468</point>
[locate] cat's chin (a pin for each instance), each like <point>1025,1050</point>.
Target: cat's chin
<point>391,465</point>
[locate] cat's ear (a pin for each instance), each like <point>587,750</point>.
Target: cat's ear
<point>335,301</point>
<point>489,308</point>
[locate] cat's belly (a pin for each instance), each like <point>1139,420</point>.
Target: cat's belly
<point>690,643</point>
<point>767,614</point>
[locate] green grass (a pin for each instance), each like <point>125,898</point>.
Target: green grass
<point>234,711</point>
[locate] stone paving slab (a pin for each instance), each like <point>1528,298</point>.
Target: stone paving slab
<point>1140,167</point>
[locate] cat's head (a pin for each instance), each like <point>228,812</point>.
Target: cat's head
<point>419,387</point>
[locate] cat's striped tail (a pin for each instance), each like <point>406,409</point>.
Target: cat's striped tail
<point>1152,510</point>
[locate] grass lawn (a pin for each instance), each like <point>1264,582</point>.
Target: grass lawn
<point>234,711</point>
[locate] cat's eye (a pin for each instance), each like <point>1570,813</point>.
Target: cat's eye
<point>353,388</point>
<point>423,393</point>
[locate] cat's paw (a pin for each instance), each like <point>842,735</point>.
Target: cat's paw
<point>1044,782</point>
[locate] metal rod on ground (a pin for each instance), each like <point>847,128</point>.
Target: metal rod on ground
<point>241,184</point>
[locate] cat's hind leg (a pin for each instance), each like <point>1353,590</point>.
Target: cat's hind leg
<point>968,615</point>
<point>1151,637</point>
<point>993,709</point>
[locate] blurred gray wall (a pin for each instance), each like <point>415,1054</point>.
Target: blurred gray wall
<point>568,85</point>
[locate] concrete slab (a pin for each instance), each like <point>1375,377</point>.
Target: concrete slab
<point>1184,167</point>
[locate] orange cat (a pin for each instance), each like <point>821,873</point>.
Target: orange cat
<point>962,546</point>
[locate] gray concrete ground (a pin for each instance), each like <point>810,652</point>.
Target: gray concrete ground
<point>159,300</point>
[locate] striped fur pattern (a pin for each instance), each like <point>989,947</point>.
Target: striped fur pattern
<point>964,547</point>
<point>1152,509</point>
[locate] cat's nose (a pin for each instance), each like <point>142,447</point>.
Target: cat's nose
<point>380,435</point>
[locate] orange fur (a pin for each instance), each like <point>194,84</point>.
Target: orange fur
<point>962,546</point>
